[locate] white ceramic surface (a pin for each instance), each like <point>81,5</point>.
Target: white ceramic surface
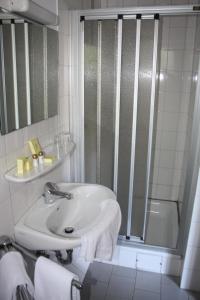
<point>12,176</point>
<point>42,227</point>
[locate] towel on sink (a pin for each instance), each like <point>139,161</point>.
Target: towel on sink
<point>13,274</point>
<point>53,281</point>
<point>101,240</point>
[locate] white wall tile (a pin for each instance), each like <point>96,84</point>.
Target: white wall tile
<point>190,38</point>
<point>165,176</point>
<point>14,140</point>
<point>174,81</point>
<point>191,280</point>
<point>192,259</point>
<point>104,3</point>
<point>175,60</point>
<point>194,236</point>
<point>172,101</point>
<point>178,21</point>
<point>17,198</point>
<point>191,268</point>
<point>114,3</point>
<point>86,4</point>
<point>130,3</point>
<point>177,38</point>
<point>6,218</point>
<point>2,146</point>
<point>167,159</point>
<point>168,140</point>
<point>162,2</point>
<point>163,191</point>
<point>96,4</point>
<point>188,61</point>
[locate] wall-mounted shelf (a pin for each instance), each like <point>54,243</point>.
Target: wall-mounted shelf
<point>12,176</point>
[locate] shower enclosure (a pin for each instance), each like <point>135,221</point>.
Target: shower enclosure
<point>140,76</point>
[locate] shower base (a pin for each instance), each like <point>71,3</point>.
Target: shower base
<point>162,229</point>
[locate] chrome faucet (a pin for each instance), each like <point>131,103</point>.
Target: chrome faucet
<point>51,190</point>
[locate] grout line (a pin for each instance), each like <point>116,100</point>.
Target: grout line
<point>163,200</point>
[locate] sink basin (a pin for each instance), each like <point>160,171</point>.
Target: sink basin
<point>46,226</point>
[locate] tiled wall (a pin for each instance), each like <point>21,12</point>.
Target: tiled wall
<point>15,199</point>
<point>87,4</point>
<point>174,103</point>
<point>191,267</point>
<point>177,46</point>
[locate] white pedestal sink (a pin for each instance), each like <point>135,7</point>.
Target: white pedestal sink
<point>43,226</point>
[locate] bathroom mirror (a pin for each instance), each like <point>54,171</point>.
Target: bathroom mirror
<point>28,74</point>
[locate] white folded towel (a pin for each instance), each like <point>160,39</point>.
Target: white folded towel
<point>12,274</point>
<point>53,282</point>
<point>101,240</point>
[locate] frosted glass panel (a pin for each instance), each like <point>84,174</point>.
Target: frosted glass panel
<point>37,83</point>
<point>7,48</point>
<point>52,72</point>
<point>21,73</point>
<point>108,51</point>
<point>35,54</point>
<point>126,110</point>
<point>90,96</point>
<point>143,114</point>
<point>100,56</point>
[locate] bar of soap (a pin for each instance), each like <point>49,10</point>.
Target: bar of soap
<point>21,162</point>
<point>34,146</point>
<point>49,159</point>
<point>28,164</point>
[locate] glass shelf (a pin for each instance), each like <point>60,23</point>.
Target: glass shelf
<point>12,176</point>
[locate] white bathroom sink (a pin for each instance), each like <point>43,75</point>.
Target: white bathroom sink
<point>43,226</point>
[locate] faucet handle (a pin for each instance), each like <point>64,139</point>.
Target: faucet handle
<point>50,186</point>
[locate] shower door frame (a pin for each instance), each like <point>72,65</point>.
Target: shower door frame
<point>77,79</point>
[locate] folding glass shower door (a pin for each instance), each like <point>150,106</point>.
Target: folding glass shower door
<point>119,93</point>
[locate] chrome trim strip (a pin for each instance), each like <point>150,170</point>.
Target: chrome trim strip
<point>143,17</point>
<point>3,80</point>
<point>110,17</point>
<point>15,76</point>
<point>45,73</point>
<point>98,166</point>
<point>146,10</point>
<point>81,95</point>
<point>134,125</point>
<point>27,70</point>
<point>117,108</point>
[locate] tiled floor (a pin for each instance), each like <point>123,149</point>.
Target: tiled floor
<point>108,282</point>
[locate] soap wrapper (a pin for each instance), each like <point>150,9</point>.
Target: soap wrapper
<point>34,146</point>
<point>28,164</point>
<point>21,162</point>
<point>49,159</point>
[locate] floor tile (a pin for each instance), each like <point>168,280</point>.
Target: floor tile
<point>173,293</point>
<point>145,295</point>
<point>99,272</point>
<point>170,280</point>
<point>107,282</point>
<point>170,289</point>
<point>194,296</point>
<point>121,287</point>
<point>123,271</point>
<point>95,291</point>
<point>148,281</point>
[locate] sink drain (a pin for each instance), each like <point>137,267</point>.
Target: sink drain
<point>69,229</point>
